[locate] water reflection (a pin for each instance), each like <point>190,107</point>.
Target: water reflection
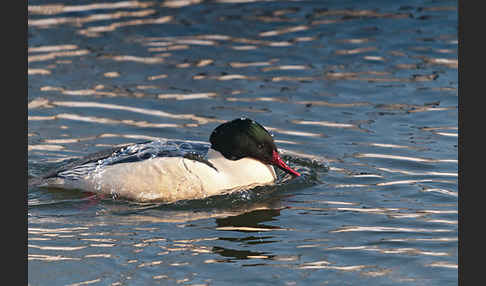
<point>48,22</point>
<point>145,111</point>
<point>362,97</point>
<point>236,254</point>
<point>249,222</point>
<point>53,55</point>
<point>52,9</point>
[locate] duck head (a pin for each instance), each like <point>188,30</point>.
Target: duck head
<point>243,137</point>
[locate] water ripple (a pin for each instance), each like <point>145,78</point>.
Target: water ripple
<point>362,99</point>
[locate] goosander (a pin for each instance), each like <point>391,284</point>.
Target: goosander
<point>241,155</point>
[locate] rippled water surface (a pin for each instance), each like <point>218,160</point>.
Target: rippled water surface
<point>360,95</point>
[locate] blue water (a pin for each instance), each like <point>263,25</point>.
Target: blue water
<point>361,96</point>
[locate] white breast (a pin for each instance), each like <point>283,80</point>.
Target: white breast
<point>175,178</point>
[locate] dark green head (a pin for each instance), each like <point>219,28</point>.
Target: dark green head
<point>243,137</point>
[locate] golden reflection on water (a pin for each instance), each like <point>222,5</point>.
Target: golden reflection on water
<point>252,64</point>
<point>95,31</point>
<point>78,21</point>
<point>406,158</point>
<point>155,77</point>
<point>244,48</point>
<point>95,91</point>
<point>52,9</point>
<point>422,173</point>
<point>53,55</point>
<point>179,3</point>
<point>51,48</point>
<point>409,251</point>
<point>187,96</point>
<point>388,229</point>
<point>151,112</point>
<point>283,31</point>
<point>31,71</point>
<point>144,60</point>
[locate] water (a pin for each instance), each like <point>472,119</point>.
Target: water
<point>367,88</point>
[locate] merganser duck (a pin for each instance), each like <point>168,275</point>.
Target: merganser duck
<point>242,155</point>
